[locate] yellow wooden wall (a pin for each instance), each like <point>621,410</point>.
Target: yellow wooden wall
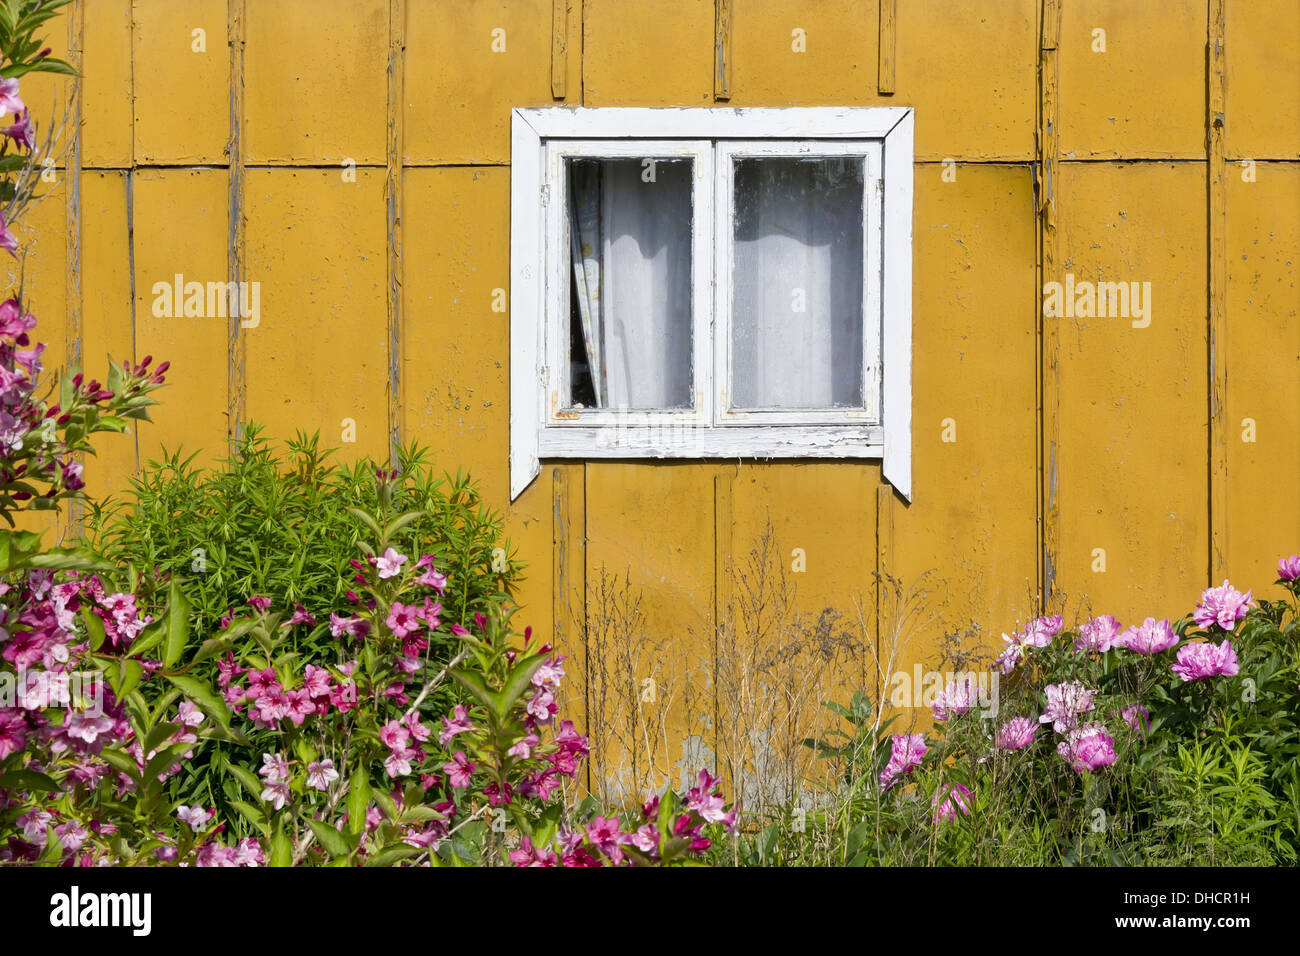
<point>1036,155</point>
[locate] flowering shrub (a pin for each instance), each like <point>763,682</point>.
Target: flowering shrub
<point>1159,742</point>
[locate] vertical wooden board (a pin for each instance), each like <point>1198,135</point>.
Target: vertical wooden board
<point>967,539</point>
<point>794,54</point>
<point>180,219</point>
<point>647,53</point>
<point>1132,470</point>
<point>772,677</point>
<point>107,329</point>
<point>652,523</point>
<point>106,106</point>
<point>315,83</point>
<point>40,270</point>
<point>456,351</point>
<point>318,357</point>
<point>181,96</point>
<point>459,112</point>
<point>1263,351</point>
<point>1145,95</point>
<point>1263,79</point>
<point>970,70</point>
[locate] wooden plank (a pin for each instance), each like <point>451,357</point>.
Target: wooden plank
<point>722,50</point>
<point>318,357</point>
<point>180,227</point>
<point>106,295</point>
<point>888,39</point>
<point>1132,79</point>
<point>624,43</point>
<point>1262,345</point>
<point>1134,451</point>
<point>72,223</point>
<point>180,68</point>
<point>559,48</point>
<point>477,62</point>
<point>1262,63</point>
<point>1049,370</point>
<point>106,123</point>
<point>1218,277</point>
<point>237,248</point>
<point>316,81</point>
<point>393,199</point>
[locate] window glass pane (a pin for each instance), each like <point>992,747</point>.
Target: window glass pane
<point>630,283</point>
<point>797,282</point>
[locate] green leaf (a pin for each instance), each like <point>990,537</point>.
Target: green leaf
<point>202,695</point>
<point>253,815</point>
<point>474,683</point>
<point>159,734</point>
<point>94,627</point>
<point>149,638</point>
<point>122,762</point>
<point>333,842</point>
<point>28,780</point>
<point>281,847</point>
<point>358,800</point>
<point>124,677</point>
<point>162,761</point>
<point>394,853</point>
<point>368,521</point>
<point>245,778</point>
<point>178,624</point>
<point>518,682</point>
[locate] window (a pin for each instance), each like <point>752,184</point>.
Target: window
<point>711,283</point>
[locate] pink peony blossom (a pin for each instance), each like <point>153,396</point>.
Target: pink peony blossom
<point>955,699</point>
<point>1151,637</point>
<point>906,753</point>
<point>1065,703</point>
<point>1224,606</point>
<point>1016,734</point>
<point>1099,635</point>
<point>1039,632</point>
<point>1198,660</point>
<point>1088,748</point>
<point>950,800</point>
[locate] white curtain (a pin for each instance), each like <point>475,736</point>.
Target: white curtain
<point>630,228</point>
<point>797,283</point>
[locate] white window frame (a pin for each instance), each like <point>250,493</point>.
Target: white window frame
<point>539,309</point>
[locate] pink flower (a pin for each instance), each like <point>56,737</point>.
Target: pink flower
<point>542,705</point>
<point>395,735</point>
<point>260,604</point>
<point>523,748</point>
<point>195,816</point>
<point>1200,659</point>
<point>321,773</point>
<point>402,620</point>
<point>419,732</point>
<point>22,132</point>
<point>1012,653</point>
<point>1288,569</point>
<point>1151,637</point>
<point>249,853</point>
<point>276,792</point>
<point>398,761</point>
<point>905,755</point>
<point>951,800</point>
<point>1137,717</point>
<point>459,770</point>
<point>706,800</point>
<point>1088,748</point>
<point>316,681</point>
<point>646,839</point>
<point>430,578</point>
<point>389,564</point>
<point>274,767</point>
<point>1224,606</point>
<point>1039,632</point>
<point>955,699</point>
<point>1016,734</point>
<point>13,732</point>
<point>300,616</point>
<point>72,835</point>
<point>458,724</point>
<point>189,715</point>
<point>1098,635</point>
<point>549,674</point>
<point>527,855</point>
<point>9,101</point>
<point>1065,702</point>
